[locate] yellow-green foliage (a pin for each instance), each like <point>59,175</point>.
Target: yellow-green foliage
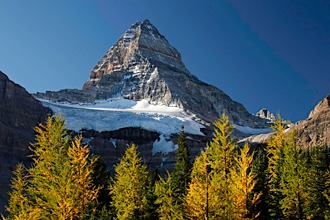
<point>59,183</point>
<point>129,187</point>
<point>169,208</point>
<point>243,184</point>
<point>199,186</point>
<point>275,147</point>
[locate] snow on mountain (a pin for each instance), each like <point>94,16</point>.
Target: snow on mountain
<point>113,114</point>
<point>249,130</point>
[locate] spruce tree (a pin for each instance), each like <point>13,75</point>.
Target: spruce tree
<point>129,188</point>
<point>318,182</point>
<point>243,183</point>
<point>259,169</point>
<point>169,208</point>
<point>101,180</point>
<point>326,194</point>
<point>182,168</point>
<point>293,181</point>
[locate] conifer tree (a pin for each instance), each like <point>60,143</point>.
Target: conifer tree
<point>259,169</point>
<point>274,152</point>
<point>19,206</point>
<point>129,187</point>
<point>200,202</point>
<point>101,180</point>
<point>243,183</point>
<point>83,191</point>
<point>182,168</point>
<point>326,194</point>
<point>221,153</point>
<point>169,208</point>
<point>59,184</point>
<point>318,182</point>
<point>293,181</point>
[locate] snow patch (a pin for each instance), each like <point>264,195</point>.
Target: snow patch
<point>164,145</point>
<point>113,141</point>
<point>249,130</point>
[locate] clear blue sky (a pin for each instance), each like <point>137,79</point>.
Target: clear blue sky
<point>273,54</point>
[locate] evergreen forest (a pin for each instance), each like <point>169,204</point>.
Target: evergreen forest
<point>66,181</point>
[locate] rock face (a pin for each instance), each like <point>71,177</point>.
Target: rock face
<point>20,112</point>
<point>265,114</point>
<point>315,130</point>
<point>143,65</point>
<point>311,132</point>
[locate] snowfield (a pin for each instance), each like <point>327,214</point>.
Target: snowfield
<point>116,113</point>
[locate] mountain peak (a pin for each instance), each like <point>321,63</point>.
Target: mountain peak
<point>143,65</point>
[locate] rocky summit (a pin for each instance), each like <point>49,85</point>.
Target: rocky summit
<point>142,65</point>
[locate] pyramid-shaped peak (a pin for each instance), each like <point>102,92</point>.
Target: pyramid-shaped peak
<point>141,44</point>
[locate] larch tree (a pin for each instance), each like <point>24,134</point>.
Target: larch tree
<point>199,201</point>
<point>169,208</point>
<point>274,152</point>
<point>293,181</point>
<point>221,152</point>
<point>19,206</point>
<point>129,187</point>
<point>243,183</point>
<point>59,182</point>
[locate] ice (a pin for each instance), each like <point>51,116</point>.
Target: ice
<point>164,145</point>
<point>116,113</point>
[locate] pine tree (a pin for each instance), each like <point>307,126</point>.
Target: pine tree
<point>275,160</point>
<point>129,187</point>
<point>221,153</point>
<point>243,184</point>
<point>182,168</point>
<point>293,181</point>
<point>169,208</point>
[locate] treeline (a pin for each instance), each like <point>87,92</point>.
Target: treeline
<point>66,181</point>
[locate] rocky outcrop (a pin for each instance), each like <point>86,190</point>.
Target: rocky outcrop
<point>20,112</point>
<point>315,130</point>
<point>311,132</point>
<point>143,65</point>
<point>265,114</point>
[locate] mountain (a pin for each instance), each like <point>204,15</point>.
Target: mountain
<point>311,132</point>
<point>20,112</point>
<point>265,114</point>
<point>140,91</point>
<point>315,130</point>
<point>142,65</point>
